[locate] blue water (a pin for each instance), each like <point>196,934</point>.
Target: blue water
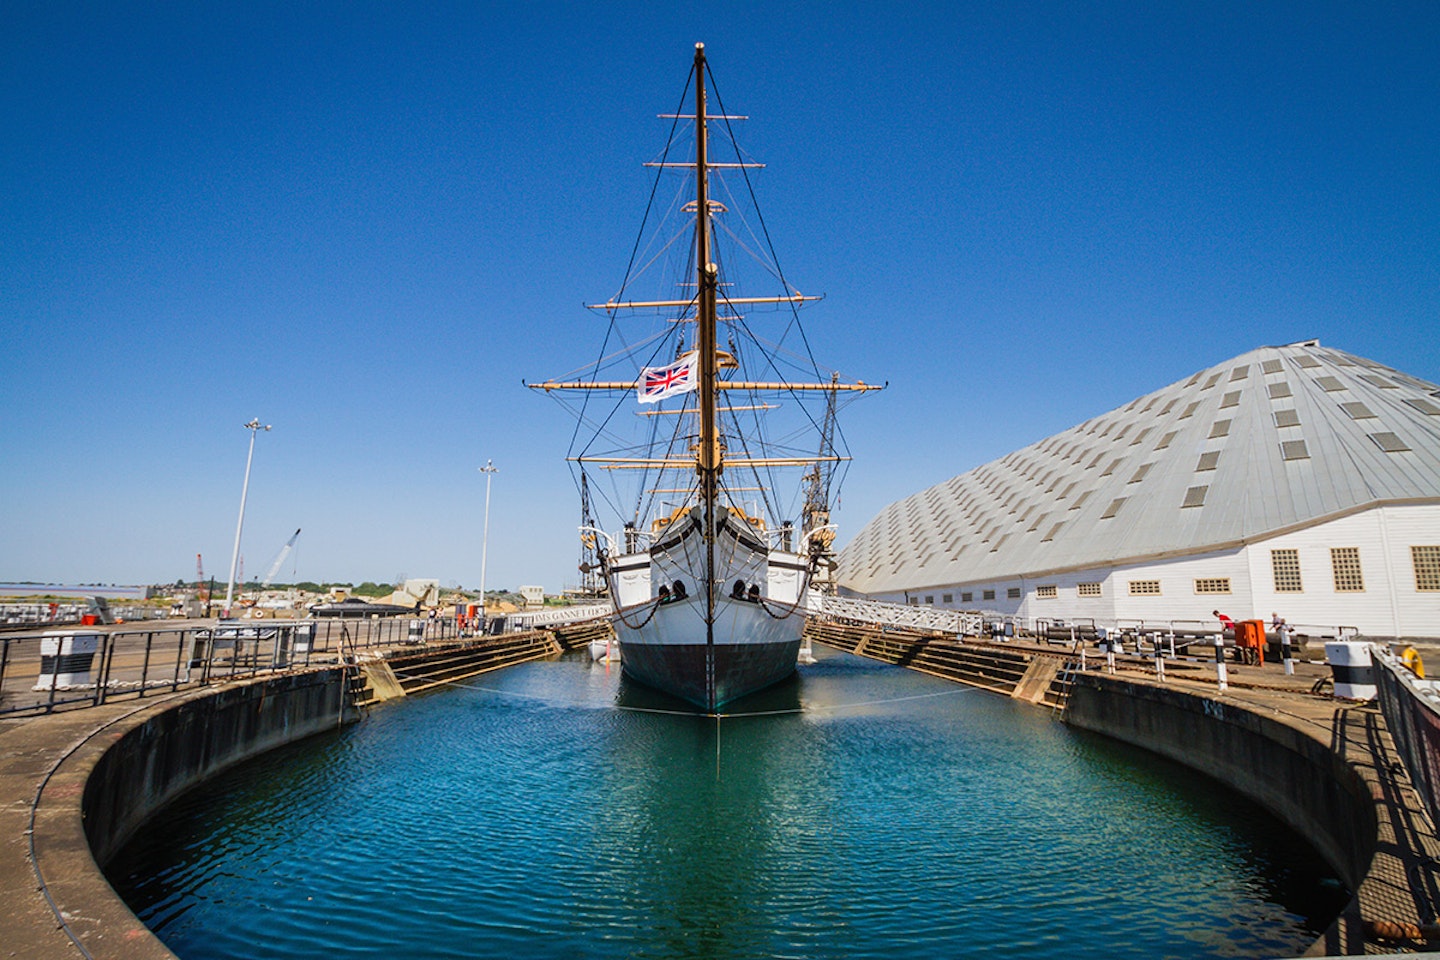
<point>864,811</point>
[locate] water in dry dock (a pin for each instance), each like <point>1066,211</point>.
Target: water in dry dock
<point>864,811</point>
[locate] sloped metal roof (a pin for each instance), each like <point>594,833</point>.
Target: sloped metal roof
<point>1275,439</point>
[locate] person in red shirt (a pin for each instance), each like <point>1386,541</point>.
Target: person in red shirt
<point>1225,622</point>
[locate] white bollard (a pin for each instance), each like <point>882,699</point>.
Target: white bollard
<point>1354,672</point>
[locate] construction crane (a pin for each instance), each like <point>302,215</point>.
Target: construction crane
<point>279,559</point>
<point>200,592</point>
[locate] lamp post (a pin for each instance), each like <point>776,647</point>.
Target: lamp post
<point>253,426</point>
<point>489,470</point>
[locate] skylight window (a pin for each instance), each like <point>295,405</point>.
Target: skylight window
<point>1294,450</point>
<point>1357,411</point>
<point>1423,405</point>
<point>1287,418</point>
<point>1389,442</point>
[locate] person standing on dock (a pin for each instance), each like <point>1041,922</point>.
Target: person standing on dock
<point>1225,622</point>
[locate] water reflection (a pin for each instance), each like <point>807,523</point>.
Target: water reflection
<point>553,810</point>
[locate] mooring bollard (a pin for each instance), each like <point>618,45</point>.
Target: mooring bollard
<point>1285,650</point>
<point>1220,661</point>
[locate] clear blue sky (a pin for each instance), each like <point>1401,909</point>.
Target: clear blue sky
<point>365,223</point>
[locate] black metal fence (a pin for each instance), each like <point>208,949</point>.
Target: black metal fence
<point>1412,714</point>
<point>87,666</point>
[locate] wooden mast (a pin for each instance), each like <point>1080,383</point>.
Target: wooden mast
<point>708,455</point>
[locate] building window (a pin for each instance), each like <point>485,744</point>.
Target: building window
<point>967,598</point>
<point>1345,562</point>
<point>1330,384</point>
<point>948,598</point>
<point>1047,592</point>
<point>1220,428</point>
<point>1231,399</point>
<point>914,601</point>
<point>988,595</point>
<point>930,601</point>
<point>1088,589</point>
<point>1114,508</point>
<point>1294,450</point>
<point>1195,496</point>
<point>1208,461</point>
<point>1190,409</point>
<point>1427,567</point>
<point>1013,593</point>
<point>1271,366</point>
<point>1286,566</point>
<point>1144,588</point>
<point>1212,585</point>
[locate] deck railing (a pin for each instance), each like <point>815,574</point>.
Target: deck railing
<point>1412,715</point>
<point>87,666</point>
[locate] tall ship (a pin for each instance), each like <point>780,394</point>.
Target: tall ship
<point>706,432</point>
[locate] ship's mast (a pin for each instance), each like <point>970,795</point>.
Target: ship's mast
<point>708,456</point>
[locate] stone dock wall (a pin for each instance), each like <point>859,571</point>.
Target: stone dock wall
<point>96,775</point>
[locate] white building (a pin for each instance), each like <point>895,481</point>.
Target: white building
<point>1296,480</point>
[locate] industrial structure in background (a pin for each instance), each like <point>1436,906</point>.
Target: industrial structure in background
<point>1294,480</point>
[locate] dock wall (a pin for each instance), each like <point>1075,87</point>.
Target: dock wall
<point>171,751</point>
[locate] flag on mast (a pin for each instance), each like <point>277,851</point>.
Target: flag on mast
<point>657,383</point>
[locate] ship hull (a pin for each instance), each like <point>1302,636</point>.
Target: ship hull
<point>747,640</point>
<point>752,650</point>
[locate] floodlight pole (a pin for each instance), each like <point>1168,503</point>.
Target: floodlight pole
<point>489,470</point>
<point>253,426</point>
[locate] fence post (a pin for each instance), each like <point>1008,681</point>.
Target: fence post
<point>1220,674</point>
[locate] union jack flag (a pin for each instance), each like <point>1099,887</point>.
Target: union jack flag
<point>657,383</point>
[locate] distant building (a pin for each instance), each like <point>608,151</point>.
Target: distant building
<point>1296,480</point>
<point>534,596</point>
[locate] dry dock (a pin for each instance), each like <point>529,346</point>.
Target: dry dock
<point>76,784</point>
